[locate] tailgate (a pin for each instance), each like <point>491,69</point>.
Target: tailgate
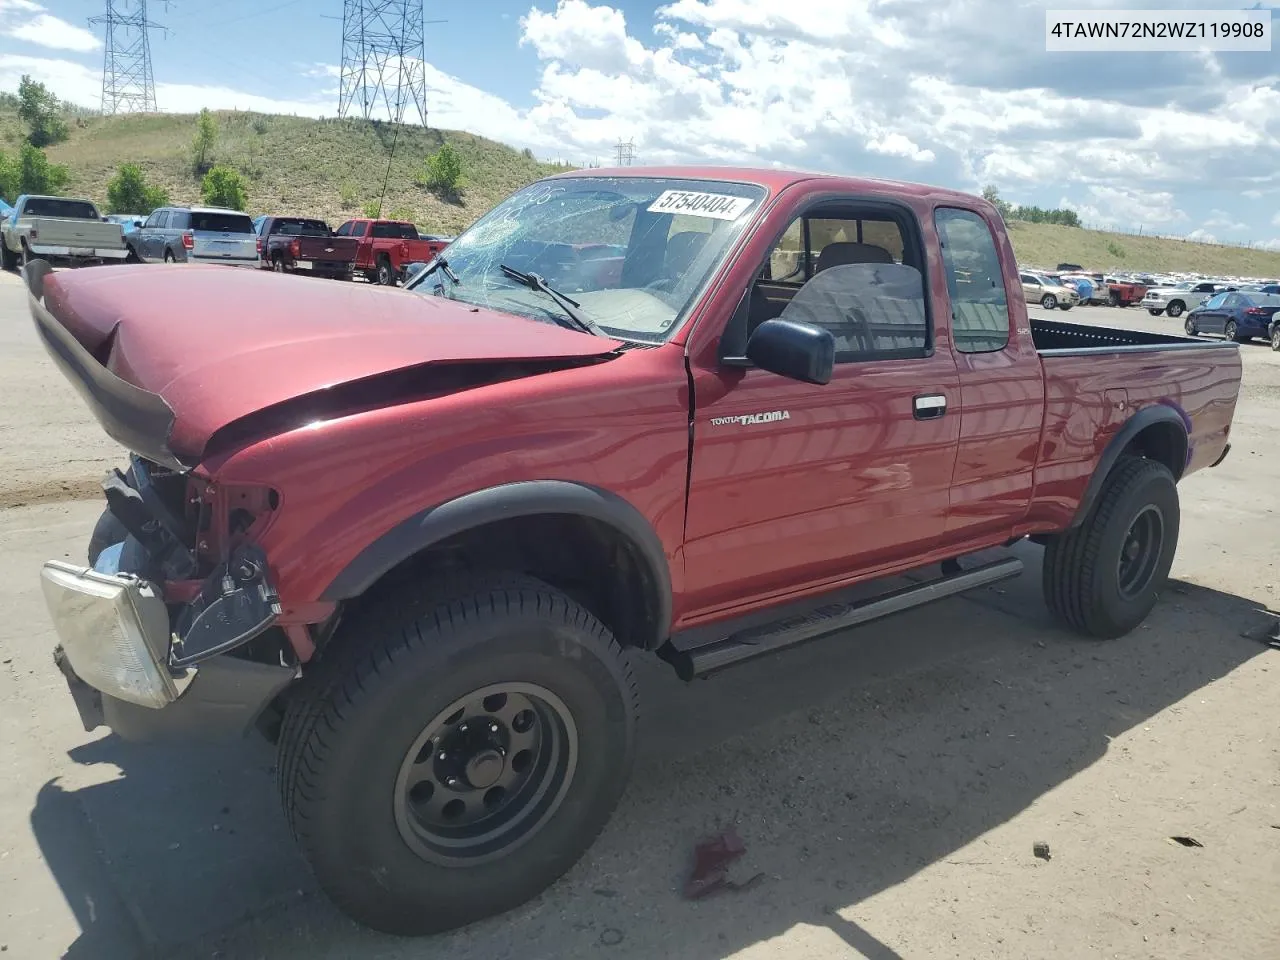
<point>78,234</point>
<point>329,249</point>
<point>213,245</point>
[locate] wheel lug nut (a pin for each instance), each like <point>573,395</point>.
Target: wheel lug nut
<point>463,728</point>
<point>493,728</point>
<point>443,755</point>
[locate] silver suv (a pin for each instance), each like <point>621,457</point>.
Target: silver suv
<point>195,235</point>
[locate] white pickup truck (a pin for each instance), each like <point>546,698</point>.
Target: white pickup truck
<point>1178,300</point>
<point>61,230</point>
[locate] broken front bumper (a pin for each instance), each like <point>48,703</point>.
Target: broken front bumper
<point>115,653</point>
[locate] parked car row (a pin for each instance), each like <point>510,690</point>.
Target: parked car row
<point>72,231</point>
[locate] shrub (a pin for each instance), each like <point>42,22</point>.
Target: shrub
<point>30,172</point>
<point>203,143</point>
<point>1115,249</point>
<point>372,209</point>
<point>129,192</point>
<point>442,170</point>
<point>403,213</point>
<point>349,196</point>
<point>224,187</point>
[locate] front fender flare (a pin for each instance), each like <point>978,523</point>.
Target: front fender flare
<point>507,501</point>
<point>1147,417</point>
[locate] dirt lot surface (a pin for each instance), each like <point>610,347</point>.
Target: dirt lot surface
<point>889,784</point>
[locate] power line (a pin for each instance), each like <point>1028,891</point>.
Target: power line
<point>127,82</point>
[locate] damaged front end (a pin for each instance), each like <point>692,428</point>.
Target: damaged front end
<point>174,627</point>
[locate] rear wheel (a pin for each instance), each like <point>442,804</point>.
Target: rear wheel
<point>1103,577</point>
<point>1176,308</point>
<point>1190,327</point>
<point>386,275</point>
<point>1232,332</point>
<point>169,257</point>
<point>455,754</point>
<point>26,253</point>
<point>1049,301</point>
<point>10,259</point>
<point>277,265</point>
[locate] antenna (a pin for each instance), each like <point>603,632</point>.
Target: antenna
<point>626,152</point>
<point>383,54</point>
<point>127,83</point>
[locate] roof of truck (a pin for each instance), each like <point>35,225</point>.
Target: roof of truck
<point>775,180</point>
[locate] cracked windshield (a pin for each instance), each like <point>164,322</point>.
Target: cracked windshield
<point>629,255</point>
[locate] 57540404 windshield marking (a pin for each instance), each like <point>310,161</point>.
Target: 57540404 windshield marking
<point>718,206</point>
<point>747,419</point>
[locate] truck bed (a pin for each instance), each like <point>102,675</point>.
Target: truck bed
<point>1058,338</point>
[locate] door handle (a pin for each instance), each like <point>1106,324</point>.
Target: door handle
<point>929,406</point>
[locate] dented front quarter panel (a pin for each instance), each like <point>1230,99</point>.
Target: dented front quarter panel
<point>621,425</point>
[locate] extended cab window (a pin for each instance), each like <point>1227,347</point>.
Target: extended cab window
<point>979,306</point>
<point>386,231</point>
<point>55,207</point>
<point>855,272</point>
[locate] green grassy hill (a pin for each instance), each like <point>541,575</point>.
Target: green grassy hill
<point>326,168</point>
<point>331,168</point>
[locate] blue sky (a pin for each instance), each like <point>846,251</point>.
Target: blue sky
<point>960,94</point>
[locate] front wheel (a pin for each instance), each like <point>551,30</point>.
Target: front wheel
<point>1190,327</point>
<point>1275,339</point>
<point>1048,301</point>
<point>1154,313</point>
<point>454,755</point>
<point>9,257</point>
<point>386,275</point>
<point>1064,307</point>
<point>1176,308</point>
<point>1103,577</point>
<point>1232,332</point>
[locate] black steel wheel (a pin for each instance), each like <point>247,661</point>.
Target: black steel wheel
<point>1103,577</point>
<point>1153,312</point>
<point>486,773</point>
<point>456,750</point>
<point>1140,554</point>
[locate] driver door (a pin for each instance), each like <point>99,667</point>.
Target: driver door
<point>1210,318</point>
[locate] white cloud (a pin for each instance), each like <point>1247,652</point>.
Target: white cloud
<point>896,145</point>
<point>1275,221</point>
<point>1202,236</point>
<point>29,21</point>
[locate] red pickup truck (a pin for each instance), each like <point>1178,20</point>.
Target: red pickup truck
<point>421,552</point>
<point>387,247</point>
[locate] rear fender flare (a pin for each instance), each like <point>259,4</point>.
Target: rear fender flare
<point>1147,417</point>
<point>505,502</point>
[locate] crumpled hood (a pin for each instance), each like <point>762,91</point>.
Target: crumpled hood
<point>219,343</point>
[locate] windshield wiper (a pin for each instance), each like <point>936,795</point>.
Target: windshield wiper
<point>441,264</point>
<point>573,309</point>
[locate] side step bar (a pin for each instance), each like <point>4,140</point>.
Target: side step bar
<point>832,617</point>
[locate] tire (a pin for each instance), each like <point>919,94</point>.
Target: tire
<point>1176,309</point>
<point>1154,313</point>
<point>1114,300</point>
<point>10,259</point>
<point>1190,327</point>
<point>25,257</point>
<point>1232,332</point>
<point>386,274</point>
<point>277,265</point>
<point>1064,307</point>
<point>132,256</point>
<point>1083,574</point>
<point>1049,301</point>
<point>169,257</point>
<point>1275,338</point>
<point>377,704</point>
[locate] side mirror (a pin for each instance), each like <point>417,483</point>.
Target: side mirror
<point>413,269</point>
<point>798,351</point>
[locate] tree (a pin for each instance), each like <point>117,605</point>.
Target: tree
<point>205,138</point>
<point>40,111</point>
<point>129,192</point>
<point>224,187</point>
<point>992,196</point>
<point>37,174</point>
<point>443,170</point>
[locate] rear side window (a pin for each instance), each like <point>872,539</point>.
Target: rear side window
<point>408,231</point>
<point>53,207</point>
<point>221,222</point>
<point>979,306</point>
<point>386,231</point>
<point>300,228</point>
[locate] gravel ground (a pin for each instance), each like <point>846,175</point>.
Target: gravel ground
<point>889,783</point>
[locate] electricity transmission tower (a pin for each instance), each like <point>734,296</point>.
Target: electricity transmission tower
<point>383,53</point>
<point>127,83</point>
<point>626,152</point>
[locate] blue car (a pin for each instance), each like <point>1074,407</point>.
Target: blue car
<point>1238,316</point>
